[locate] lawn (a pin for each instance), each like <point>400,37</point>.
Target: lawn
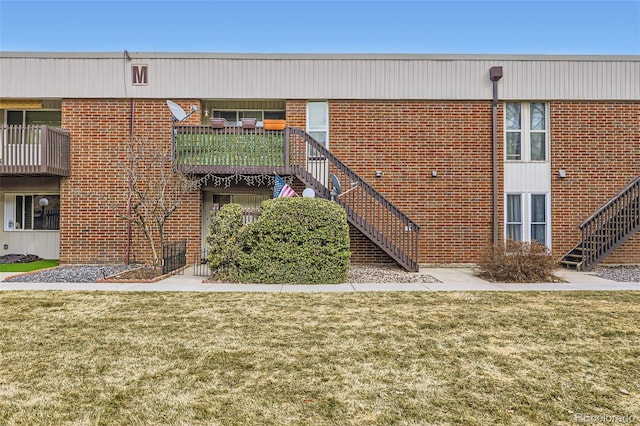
<point>476,358</point>
<point>28,267</point>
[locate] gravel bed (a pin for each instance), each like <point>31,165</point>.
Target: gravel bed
<point>618,273</point>
<point>358,273</point>
<point>71,274</point>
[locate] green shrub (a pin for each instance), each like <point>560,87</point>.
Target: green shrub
<point>223,230</point>
<point>295,240</point>
<point>518,262</point>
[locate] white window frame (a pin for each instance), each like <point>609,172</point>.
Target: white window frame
<point>547,215</point>
<point>526,215</point>
<point>10,211</point>
<point>526,131</point>
<point>506,215</point>
<point>319,129</point>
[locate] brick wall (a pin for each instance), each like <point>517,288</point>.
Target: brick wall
<point>96,191</point>
<point>598,144</point>
<point>296,112</point>
<point>364,251</point>
<point>407,141</point>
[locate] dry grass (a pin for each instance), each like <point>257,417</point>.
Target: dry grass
<point>289,358</point>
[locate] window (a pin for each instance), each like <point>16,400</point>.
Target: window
<point>32,212</point>
<point>526,130</point>
<point>514,217</point>
<point>231,117</point>
<point>234,117</point>
<point>34,118</point>
<point>274,115</point>
<point>539,218</point>
<point>530,227</point>
<point>318,123</point>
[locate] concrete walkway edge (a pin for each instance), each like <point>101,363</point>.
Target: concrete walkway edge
<point>451,279</point>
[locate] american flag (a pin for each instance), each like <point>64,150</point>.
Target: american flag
<point>282,189</point>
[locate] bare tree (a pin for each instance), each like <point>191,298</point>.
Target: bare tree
<point>155,190</point>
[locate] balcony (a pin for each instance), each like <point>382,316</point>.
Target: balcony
<point>230,150</point>
<point>34,150</point>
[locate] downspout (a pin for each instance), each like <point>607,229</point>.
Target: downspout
<point>495,74</point>
<point>125,59</point>
<point>131,130</point>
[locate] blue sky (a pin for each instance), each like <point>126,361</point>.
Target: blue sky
<point>307,26</point>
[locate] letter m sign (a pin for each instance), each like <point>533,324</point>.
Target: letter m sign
<point>140,75</point>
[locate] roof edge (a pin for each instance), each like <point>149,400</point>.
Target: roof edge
<point>314,56</point>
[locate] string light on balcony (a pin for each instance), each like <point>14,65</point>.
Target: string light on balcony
<point>251,180</point>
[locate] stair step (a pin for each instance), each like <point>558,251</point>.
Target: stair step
<point>573,258</point>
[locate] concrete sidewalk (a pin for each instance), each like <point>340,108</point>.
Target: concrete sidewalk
<point>452,279</point>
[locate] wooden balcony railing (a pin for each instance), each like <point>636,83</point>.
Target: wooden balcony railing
<point>34,150</point>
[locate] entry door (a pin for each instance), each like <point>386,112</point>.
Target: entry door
<point>318,128</point>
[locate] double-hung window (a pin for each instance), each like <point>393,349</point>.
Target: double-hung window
<point>527,217</point>
<point>514,217</point>
<point>318,125</point>
<point>526,131</point>
<point>538,222</point>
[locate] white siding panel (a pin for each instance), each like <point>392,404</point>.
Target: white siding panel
<point>527,177</point>
<point>45,244</point>
<point>319,76</point>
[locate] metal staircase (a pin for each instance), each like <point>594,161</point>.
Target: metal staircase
<point>367,210</point>
<point>232,150</point>
<point>606,229</point>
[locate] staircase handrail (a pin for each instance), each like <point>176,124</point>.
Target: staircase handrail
<point>332,158</point>
<point>623,212</point>
<point>385,240</point>
<point>611,201</point>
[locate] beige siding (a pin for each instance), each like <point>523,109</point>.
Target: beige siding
<point>229,76</point>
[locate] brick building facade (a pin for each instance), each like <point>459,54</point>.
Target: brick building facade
<point>430,154</point>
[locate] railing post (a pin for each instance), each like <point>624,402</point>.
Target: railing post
<point>44,139</point>
<point>173,142</point>
<point>287,146</point>
<point>3,144</point>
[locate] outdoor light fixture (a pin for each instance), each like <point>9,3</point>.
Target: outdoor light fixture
<point>378,173</point>
<point>562,174</point>
<point>44,202</point>
<point>434,173</point>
